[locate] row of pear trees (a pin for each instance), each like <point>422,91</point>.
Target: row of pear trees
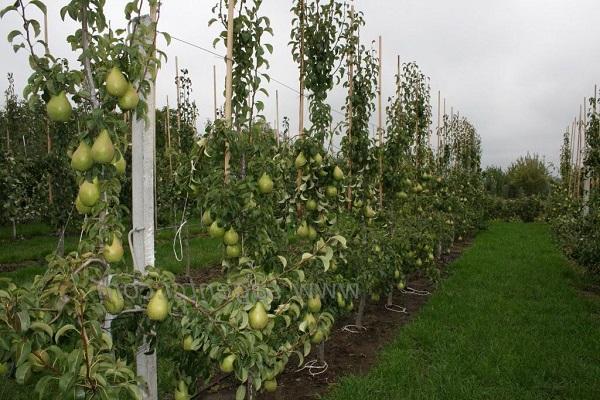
<point>306,229</point>
<point>574,205</point>
<point>35,152</point>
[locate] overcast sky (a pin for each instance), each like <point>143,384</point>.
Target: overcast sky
<point>517,69</point>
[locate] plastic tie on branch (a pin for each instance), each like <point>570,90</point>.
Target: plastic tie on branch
<point>177,237</point>
<point>416,292</point>
<point>314,367</point>
<point>396,308</point>
<point>354,329</point>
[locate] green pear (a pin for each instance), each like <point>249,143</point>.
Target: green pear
<point>103,150</point>
<point>116,84</point>
<point>58,108</point>
<point>82,159</point>
<point>188,343</point>
<point>226,364</point>
<point>129,100</point>
<point>331,191</point>
<point>258,317</point>
<point>215,230</point>
<point>303,230</point>
<point>207,218</point>
<point>318,159</point>
<point>300,161</point>
<point>233,251</point>
<point>114,252</point>
<point>312,233</point>
<point>81,209</point>
<point>265,184</point>
<point>158,306</point>
<point>89,193</point>
<point>113,301</point>
<point>231,237</point>
<point>314,303</point>
<point>311,205</point>
<point>338,174</point>
<point>317,337</point>
<point>119,163</point>
<point>311,321</point>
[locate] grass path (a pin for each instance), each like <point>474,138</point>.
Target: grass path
<point>509,323</point>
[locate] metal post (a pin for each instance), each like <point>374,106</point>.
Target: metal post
<point>143,150</point>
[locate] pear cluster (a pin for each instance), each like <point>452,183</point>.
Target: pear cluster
<point>118,86</point>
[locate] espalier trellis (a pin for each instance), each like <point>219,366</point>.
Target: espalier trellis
<point>282,212</point>
<point>573,208</point>
<point>364,264</point>
<point>54,329</point>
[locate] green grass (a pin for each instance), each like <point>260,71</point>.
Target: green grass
<point>38,244</point>
<point>25,230</point>
<point>32,249</point>
<point>509,323</point>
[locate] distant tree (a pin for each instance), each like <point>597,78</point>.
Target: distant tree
<point>565,159</point>
<point>495,181</point>
<point>528,176</point>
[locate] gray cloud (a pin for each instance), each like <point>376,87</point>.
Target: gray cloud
<point>518,69</point>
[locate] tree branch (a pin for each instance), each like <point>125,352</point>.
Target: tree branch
<point>86,58</point>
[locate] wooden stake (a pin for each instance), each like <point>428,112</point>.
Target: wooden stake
<point>168,130</point>
<point>380,124</point>
<point>215,92</point>
<point>439,118</point>
<point>445,128</point>
<point>48,137</point>
<point>586,176</point>
<point>229,84</point>
<point>579,155</point>
<point>301,99</point>
<point>571,156</point>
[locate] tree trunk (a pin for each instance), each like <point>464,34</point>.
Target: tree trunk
<point>361,310</point>
<point>321,352</point>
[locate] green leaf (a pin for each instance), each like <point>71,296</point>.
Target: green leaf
<point>135,391</point>
<point>307,256</point>
<point>36,27</point>
<point>13,34</point>
<point>7,9</point>
<point>306,348</point>
<point>240,393</point>
<point>42,326</point>
<point>39,5</point>
<point>23,350</point>
<point>23,373</point>
<point>283,261</point>
<point>64,330</point>
<point>24,320</point>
